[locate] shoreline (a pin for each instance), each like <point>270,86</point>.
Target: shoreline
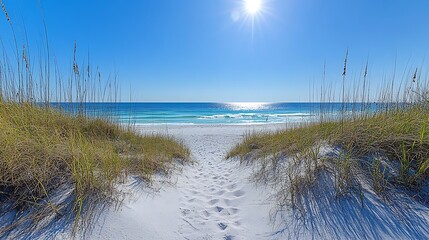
<point>218,129</point>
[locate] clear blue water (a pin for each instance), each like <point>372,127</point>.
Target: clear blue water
<point>208,113</point>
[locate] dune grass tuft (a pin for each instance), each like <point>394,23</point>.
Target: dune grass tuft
<point>57,164</point>
<point>386,146</point>
<point>44,149</point>
<point>387,152</point>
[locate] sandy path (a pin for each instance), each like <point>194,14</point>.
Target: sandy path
<point>213,193</point>
<point>210,201</point>
<point>217,201</point>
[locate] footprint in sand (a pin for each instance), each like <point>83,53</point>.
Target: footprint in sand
<point>213,201</point>
<point>220,193</point>
<point>218,209</point>
<point>222,226</point>
<point>231,186</point>
<point>238,193</point>
<point>206,213</point>
<point>228,237</point>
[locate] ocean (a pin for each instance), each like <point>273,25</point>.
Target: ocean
<point>145,113</point>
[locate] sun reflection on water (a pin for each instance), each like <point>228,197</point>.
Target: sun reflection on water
<point>247,105</point>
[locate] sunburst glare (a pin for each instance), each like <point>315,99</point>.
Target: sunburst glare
<point>250,12</point>
<point>253,6</point>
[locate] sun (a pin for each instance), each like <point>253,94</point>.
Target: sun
<point>253,6</point>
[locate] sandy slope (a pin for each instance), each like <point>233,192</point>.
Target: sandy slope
<point>213,199</point>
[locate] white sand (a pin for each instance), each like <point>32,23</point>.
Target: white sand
<point>213,199</point>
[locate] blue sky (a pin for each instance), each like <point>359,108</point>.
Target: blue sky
<point>199,50</point>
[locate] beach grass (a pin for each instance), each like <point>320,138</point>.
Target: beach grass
<point>388,151</point>
<point>57,164</point>
<point>385,146</point>
<point>400,134</point>
<point>44,149</point>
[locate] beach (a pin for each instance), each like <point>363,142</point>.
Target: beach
<point>214,198</point>
<point>207,120</point>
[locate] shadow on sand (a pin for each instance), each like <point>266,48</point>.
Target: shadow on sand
<point>322,215</point>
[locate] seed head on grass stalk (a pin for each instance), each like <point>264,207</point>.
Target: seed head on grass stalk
<point>5,12</point>
<point>344,80</point>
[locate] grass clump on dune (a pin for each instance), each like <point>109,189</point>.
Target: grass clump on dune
<point>388,152</point>
<point>401,135</point>
<point>43,150</point>
<point>384,145</point>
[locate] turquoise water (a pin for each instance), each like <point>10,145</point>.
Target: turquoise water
<point>209,113</point>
